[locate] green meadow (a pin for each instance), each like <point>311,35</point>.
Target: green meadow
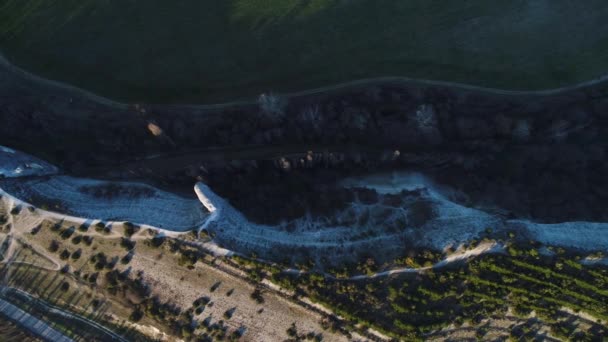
<point>205,51</point>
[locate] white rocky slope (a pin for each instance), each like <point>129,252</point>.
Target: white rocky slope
<point>591,236</point>
<point>111,201</point>
<point>580,234</point>
<point>452,224</point>
<point>17,164</point>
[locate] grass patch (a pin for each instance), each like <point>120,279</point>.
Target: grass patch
<point>213,51</point>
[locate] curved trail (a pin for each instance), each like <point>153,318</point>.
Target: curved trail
<point>362,82</point>
<point>484,248</point>
<point>492,247</point>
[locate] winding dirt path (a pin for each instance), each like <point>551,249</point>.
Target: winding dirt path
<point>483,248</point>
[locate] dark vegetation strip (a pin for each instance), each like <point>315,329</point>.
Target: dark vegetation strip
<point>410,306</point>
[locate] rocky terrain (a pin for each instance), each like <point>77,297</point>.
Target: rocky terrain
<point>329,190</point>
<point>534,155</point>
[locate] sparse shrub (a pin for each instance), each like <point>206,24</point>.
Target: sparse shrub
<point>76,255</point>
<point>111,263</point>
<point>257,296</point>
<point>130,229</point>
<point>93,278</point>
<point>127,244</point>
<point>65,286</point>
<point>136,315</point>
<point>64,255</point>
<point>66,234</point>
<point>237,334</point>
<point>99,226</point>
<point>35,230</point>
<point>100,260</point>
<point>88,240</point>
<point>157,241</point>
<point>54,246</point>
<point>292,331</point>
<point>186,331</point>
<point>77,239</point>
<point>202,301</point>
<point>188,258</point>
<point>228,313</point>
<point>126,259</point>
<point>215,286</point>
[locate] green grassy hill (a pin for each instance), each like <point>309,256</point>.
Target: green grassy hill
<point>218,50</point>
